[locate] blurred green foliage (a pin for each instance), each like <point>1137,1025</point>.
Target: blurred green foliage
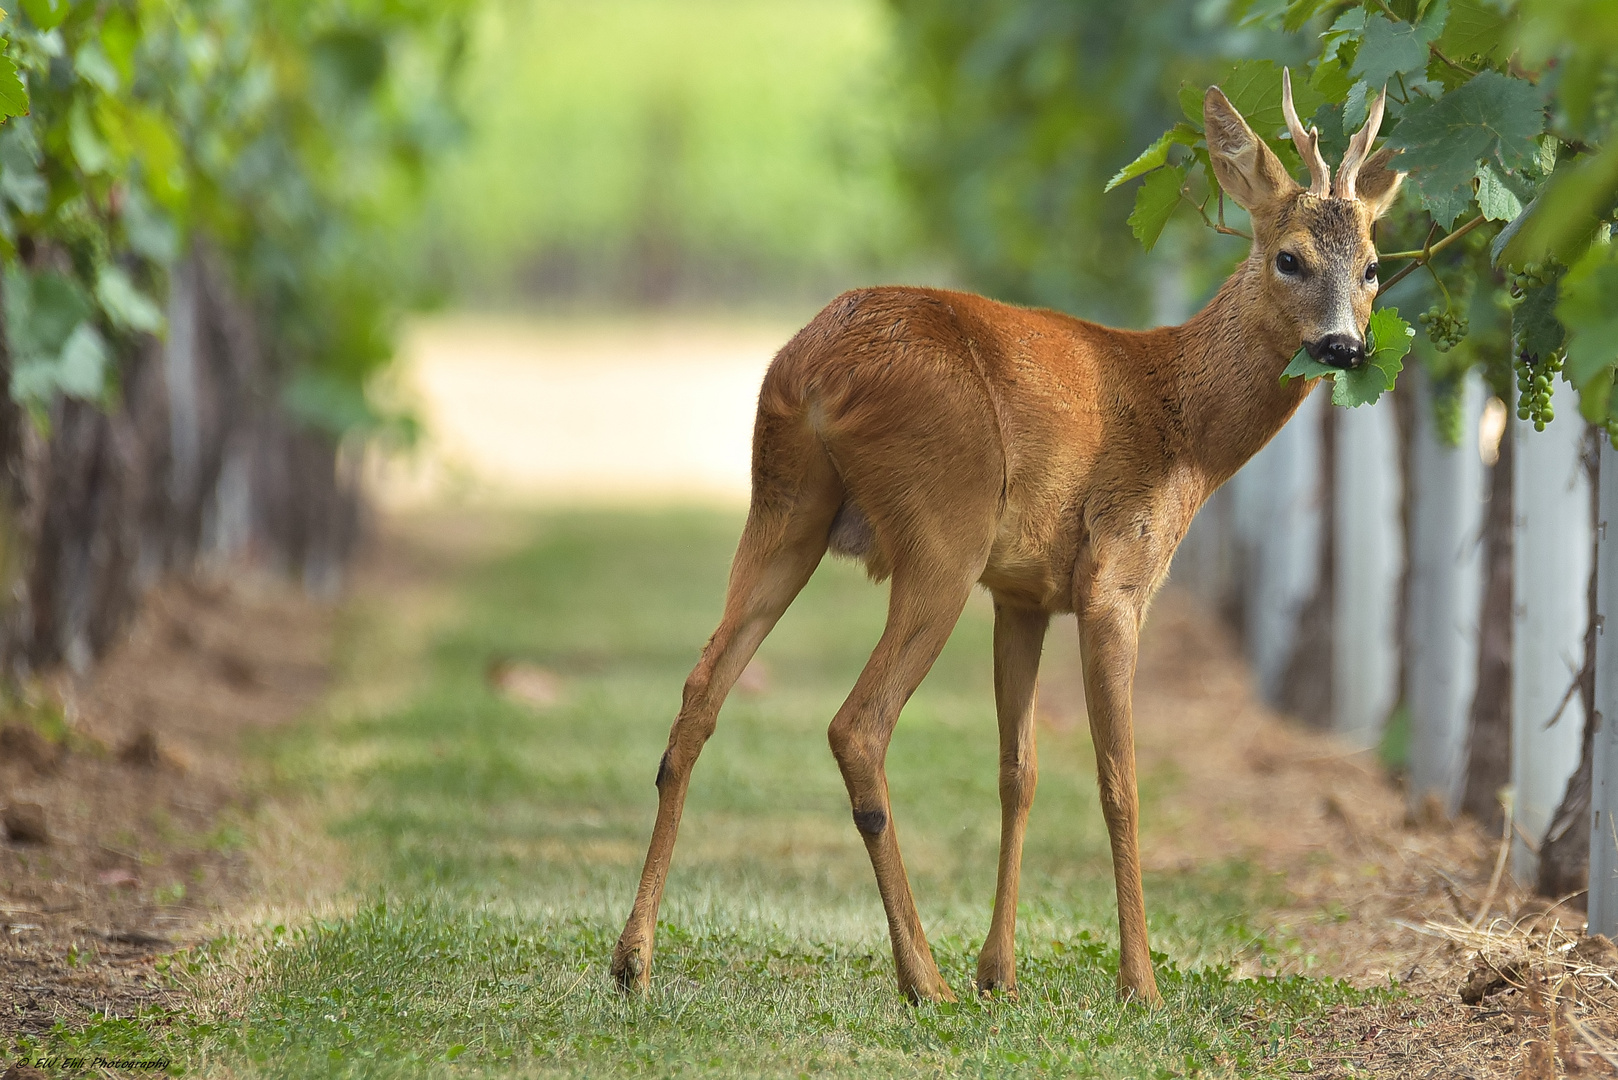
<point>292,135</point>
<point>644,151</point>
<point>1019,111</point>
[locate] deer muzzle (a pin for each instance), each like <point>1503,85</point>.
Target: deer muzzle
<point>1338,350</point>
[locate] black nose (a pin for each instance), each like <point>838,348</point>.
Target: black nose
<point>1338,350</point>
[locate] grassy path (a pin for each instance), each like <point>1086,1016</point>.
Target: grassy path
<point>495,848</point>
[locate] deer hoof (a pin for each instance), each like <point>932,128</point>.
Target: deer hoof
<point>934,989</point>
<point>996,978</point>
<point>630,972</point>
<point>1144,995</point>
<point>989,989</point>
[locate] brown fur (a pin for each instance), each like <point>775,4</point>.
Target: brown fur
<point>948,440</point>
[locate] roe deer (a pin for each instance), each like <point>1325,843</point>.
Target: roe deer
<point>947,440</point>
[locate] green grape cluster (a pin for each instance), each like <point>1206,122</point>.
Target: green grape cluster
<point>1445,328</point>
<point>1535,275</point>
<point>1534,389</point>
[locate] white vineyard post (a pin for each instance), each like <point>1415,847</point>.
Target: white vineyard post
<point>1368,562</point>
<point>1446,593</point>
<point>1278,517</point>
<point>1550,594</point>
<point>1603,905</point>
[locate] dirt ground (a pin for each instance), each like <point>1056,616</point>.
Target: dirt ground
<point>128,804</point>
<point>1375,893</point>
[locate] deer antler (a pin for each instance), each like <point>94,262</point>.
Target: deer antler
<point>1359,148</point>
<point>1307,142</point>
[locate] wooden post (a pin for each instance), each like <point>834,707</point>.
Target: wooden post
<point>1551,507</point>
<point>1368,561</point>
<point>1603,903</point>
<point>1446,591</point>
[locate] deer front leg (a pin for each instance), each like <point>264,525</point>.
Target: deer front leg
<point>1109,626</point>
<point>1019,636</point>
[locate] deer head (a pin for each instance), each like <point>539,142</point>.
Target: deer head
<point>1313,248</point>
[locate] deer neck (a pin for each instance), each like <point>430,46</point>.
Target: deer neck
<point>1232,354</point>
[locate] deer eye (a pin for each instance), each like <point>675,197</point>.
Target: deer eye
<point>1370,272</point>
<point>1287,263</point>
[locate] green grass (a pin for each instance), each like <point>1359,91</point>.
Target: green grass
<point>497,848</point>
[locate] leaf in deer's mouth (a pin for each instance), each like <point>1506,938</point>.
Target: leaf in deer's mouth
<point>1388,338</point>
<point>1304,366</point>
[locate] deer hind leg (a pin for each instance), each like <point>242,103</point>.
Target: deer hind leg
<point>922,610</point>
<point>1019,636</point>
<point>783,542</point>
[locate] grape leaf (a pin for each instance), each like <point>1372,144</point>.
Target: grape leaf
<point>89,149</point>
<point>1493,116</point>
<point>1159,194</point>
<point>54,347</point>
<point>1390,49</point>
<point>1304,366</point>
<point>1155,155</point>
<point>1299,12</point>
<point>1474,28</point>
<point>92,65</point>
<point>1328,120</point>
<point>1497,201</point>
<point>126,305</point>
<point>1536,333</point>
<point>20,181</point>
<point>1331,79</point>
<point>1351,21</point>
<point>1446,76</point>
<point>13,95</point>
<point>1190,98</point>
<point>46,15</point>
<point>1356,105</point>
<point>1587,306</point>
<point>1254,87</point>
<point>81,367</point>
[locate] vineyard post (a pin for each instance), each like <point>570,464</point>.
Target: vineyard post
<point>1278,522</point>
<point>1551,568</point>
<point>1365,664</point>
<point>1603,901</point>
<point>1446,591</point>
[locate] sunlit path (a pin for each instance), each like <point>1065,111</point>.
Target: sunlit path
<point>604,411</point>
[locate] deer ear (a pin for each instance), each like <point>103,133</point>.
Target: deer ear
<point>1378,184</point>
<point>1247,169</point>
